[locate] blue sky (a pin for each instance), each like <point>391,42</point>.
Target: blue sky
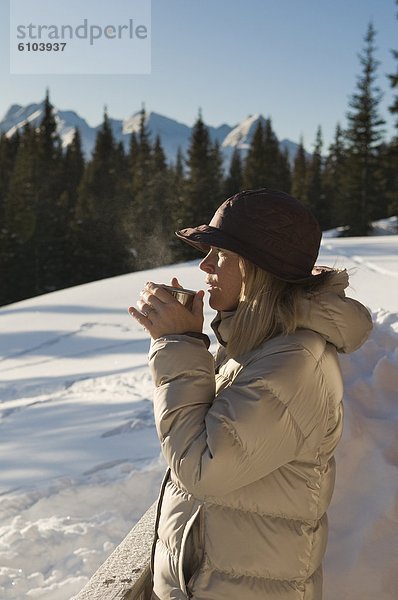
<point>295,61</point>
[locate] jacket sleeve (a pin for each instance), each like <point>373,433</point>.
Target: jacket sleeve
<point>216,444</point>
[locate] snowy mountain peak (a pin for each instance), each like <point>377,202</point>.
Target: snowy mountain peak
<point>241,136</point>
<point>173,134</point>
<point>132,124</point>
<point>156,124</point>
<point>17,116</point>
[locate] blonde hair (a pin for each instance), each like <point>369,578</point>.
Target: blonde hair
<point>267,307</point>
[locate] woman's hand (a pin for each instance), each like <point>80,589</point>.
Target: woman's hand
<point>161,314</point>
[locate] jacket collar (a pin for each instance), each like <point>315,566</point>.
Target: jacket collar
<point>341,321</point>
<point>222,326</point>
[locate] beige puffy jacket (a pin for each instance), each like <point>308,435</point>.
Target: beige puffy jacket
<point>250,443</point>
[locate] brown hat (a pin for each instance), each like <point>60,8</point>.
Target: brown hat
<point>271,229</point>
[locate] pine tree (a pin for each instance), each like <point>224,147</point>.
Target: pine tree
<point>133,155</point>
<point>394,85</point>
<point>179,168</point>
<point>178,191</point>
<point>177,208</point>
<point>49,142</point>
<point>73,167</point>
<point>272,158</point>
<point>390,158</point>
<point>334,179</point>
<point>150,219</point>
<point>266,164</point>
<point>216,175</point>
<point>285,176</point>
<point>20,266</point>
<point>203,186</point>
<point>253,171</point>
<point>33,232</point>
<point>204,176</point>
<point>234,180</point>
<point>123,175</point>
<point>156,225</point>
<point>101,241</point>
<point>72,173</point>
<point>315,193</point>
<point>364,136</point>
<point>140,156</point>
<point>8,152</point>
<point>158,158</point>
<point>51,225</point>
<point>299,177</point>
<point>141,212</point>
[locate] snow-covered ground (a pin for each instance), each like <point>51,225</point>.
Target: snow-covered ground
<point>79,456</point>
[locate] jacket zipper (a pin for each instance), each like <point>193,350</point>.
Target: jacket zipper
<point>158,509</point>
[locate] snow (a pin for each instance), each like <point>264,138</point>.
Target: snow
<point>79,455</point>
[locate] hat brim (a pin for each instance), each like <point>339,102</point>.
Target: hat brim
<point>205,236</point>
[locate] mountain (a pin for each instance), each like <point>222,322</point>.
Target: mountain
<point>241,137</point>
<point>67,121</point>
<point>173,134</point>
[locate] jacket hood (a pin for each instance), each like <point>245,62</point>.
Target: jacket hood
<point>340,320</point>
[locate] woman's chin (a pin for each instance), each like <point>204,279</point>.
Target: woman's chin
<point>214,302</point>
<point>217,304</point>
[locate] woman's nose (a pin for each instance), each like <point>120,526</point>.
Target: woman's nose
<point>207,264</point>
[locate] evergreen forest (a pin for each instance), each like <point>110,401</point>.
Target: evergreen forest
<point>66,220</point>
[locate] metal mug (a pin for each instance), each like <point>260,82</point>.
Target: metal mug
<point>184,296</point>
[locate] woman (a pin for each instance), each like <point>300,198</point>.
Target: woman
<point>249,437</point>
